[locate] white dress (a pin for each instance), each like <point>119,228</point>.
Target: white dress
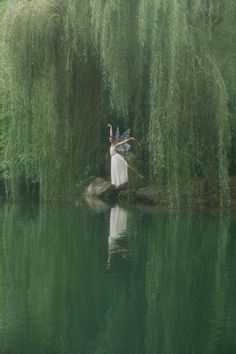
<point>119,168</point>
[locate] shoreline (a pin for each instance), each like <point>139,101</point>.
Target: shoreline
<point>150,196</point>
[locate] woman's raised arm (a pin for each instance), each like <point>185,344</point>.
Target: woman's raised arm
<point>111,130</point>
<point>125,141</point>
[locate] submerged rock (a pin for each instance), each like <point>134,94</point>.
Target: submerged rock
<point>100,188</point>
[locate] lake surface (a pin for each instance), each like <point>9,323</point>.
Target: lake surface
<point>116,281</point>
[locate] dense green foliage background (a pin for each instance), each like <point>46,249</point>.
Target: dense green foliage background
<point>165,68</point>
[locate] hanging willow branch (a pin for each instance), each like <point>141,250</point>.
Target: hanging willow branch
<point>147,62</point>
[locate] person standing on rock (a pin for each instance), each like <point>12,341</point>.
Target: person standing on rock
<point>119,166</point>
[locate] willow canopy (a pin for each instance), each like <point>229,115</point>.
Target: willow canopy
<point>165,68</point>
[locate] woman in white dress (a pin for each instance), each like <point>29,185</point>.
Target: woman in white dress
<point>119,166</point>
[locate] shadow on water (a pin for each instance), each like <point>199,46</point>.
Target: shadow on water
<point>118,281</point>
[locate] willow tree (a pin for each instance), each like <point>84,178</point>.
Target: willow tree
<point>56,110</point>
<point>152,64</point>
<point>189,125</point>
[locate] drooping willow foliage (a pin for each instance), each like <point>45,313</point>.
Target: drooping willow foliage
<point>55,108</point>
<point>156,66</point>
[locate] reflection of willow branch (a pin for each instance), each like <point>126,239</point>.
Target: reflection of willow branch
<point>52,267</point>
<point>16,276</point>
<point>115,333</point>
<point>221,284</point>
<point>157,253</point>
<point>180,282</point>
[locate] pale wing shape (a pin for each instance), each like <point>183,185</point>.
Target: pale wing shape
<point>125,135</point>
<point>123,148</point>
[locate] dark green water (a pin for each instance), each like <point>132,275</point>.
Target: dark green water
<point>119,281</point>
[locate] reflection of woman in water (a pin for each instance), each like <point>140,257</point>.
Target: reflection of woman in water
<point>119,166</point>
<point>118,221</point>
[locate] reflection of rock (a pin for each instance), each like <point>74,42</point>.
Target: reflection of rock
<point>147,194</point>
<point>101,189</point>
<point>96,204</point>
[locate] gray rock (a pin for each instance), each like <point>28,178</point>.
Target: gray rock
<point>147,194</point>
<point>100,188</point>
